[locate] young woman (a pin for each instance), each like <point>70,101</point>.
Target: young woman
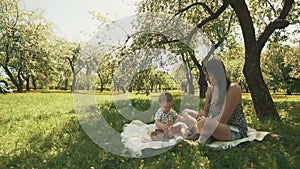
<point>222,117</point>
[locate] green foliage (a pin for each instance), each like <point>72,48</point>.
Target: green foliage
<point>42,131</point>
<point>279,64</point>
<point>234,65</point>
<point>25,48</point>
<point>30,51</point>
<point>197,13</point>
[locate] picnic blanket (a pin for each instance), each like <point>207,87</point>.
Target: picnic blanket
<point>136,138</point>
<point>252,135</point>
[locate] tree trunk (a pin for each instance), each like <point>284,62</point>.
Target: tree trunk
<point>20,83</point>
<point>189,78</point>
<point>73,83</point>
<point>101,83</point>
<point>202,81</point>
<point>27,80</point>
<point>191,83</point>
<point>10,75</point>
<point>27,84</point>
<point>263,102</point>
<point>66,84</point>
<point>202,84</point>
<point>34,83</point>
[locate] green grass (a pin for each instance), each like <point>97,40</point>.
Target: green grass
<point>41,130</point>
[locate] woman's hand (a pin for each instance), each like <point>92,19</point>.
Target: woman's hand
<point>200,117</point>
<point>203,113</point>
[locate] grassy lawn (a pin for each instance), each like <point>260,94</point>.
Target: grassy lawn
<point>41,130</point>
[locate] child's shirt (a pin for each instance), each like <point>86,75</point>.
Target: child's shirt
<point>165,117</point>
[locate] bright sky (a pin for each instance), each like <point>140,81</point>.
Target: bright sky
<point>71,18</point>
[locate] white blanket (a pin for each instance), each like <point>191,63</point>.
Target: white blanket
<point>136,137</point>
<point>252,135</point>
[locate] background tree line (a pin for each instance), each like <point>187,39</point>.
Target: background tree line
<point>254,50</point>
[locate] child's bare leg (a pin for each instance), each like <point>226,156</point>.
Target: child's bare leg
<point>189,112</point>
<point>189,118</point>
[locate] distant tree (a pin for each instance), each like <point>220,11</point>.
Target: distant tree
<point>75,62</point>
<point>278,64</point>
<point>24,45</point>
<point>293,59</point>
<point>273,66</point>
<point>105,73</point>
<point>234,65</point>
<point>291,73</point>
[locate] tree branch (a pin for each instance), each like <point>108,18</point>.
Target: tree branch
<point>213,16</point>
<point>271,6</point>
<point>195,4</point>
<point>245,20</point>
<point>278,23</point>
<point>286,8</point>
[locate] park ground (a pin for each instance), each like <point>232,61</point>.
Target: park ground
<point>41,130</point>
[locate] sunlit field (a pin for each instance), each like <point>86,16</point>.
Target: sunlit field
<point>41,130</point>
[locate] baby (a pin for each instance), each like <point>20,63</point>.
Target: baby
<point>164,118</point>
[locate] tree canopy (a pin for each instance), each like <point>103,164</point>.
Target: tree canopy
<point>259,21</point>
<point>251,37</point>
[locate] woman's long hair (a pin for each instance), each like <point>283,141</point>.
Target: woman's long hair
<point>216,68</point>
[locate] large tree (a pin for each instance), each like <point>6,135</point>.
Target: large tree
<point>254,45</point>
<point>258,20</point>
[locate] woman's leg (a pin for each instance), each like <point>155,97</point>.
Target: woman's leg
<point>211,127</point>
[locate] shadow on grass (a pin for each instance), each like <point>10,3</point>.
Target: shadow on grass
<point>71,147</point>
<point>67,147</point>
